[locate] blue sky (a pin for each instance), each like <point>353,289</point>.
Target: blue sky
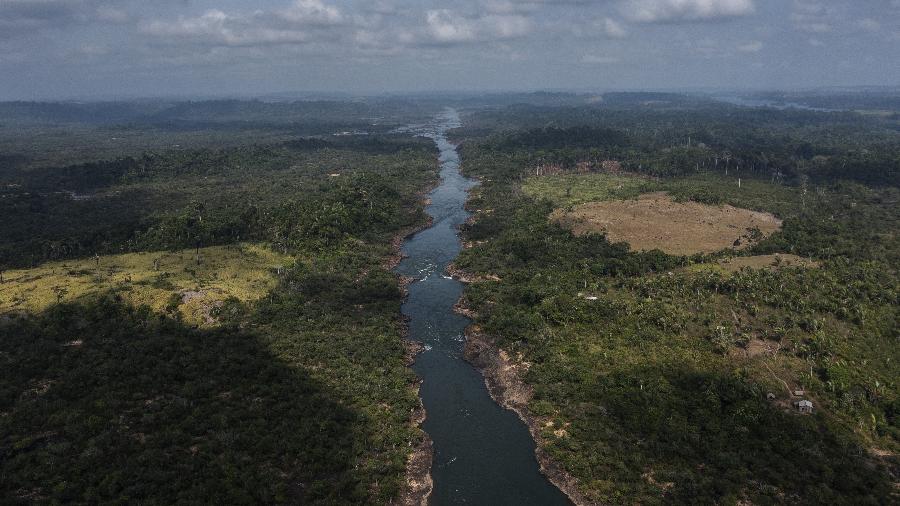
<point>106,48</point>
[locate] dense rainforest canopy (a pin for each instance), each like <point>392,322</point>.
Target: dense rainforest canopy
<point>301,396</point>
<point>656,377</point>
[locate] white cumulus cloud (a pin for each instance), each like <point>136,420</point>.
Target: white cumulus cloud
<point>612,28</point>
<point>300,22</point>
<point>311,12</point>
<point>215,27</point>
<point>812,16</point>
<point>444,26</point>
<point>663,11</point>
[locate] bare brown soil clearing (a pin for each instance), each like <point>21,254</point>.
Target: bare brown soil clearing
<point>656,221</point>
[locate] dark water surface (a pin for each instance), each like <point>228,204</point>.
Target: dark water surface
<point>483,454</point>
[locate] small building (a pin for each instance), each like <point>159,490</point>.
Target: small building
<point>770,396</point>
<point>805,406</point>
<point>799,393</point>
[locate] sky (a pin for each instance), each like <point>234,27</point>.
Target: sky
<point>51,49</point>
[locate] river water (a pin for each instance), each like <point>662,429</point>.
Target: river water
<point>483,454</point>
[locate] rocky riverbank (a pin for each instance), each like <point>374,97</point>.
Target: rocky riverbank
<point>418,483</point>
<point>503,378</point>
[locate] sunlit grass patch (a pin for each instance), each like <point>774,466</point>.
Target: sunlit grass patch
<point>772,262</point>
<point>573,189</point>
<point>191,282</point>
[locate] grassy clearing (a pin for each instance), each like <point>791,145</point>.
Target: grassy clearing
<point>735,264</point>
<point>655,221</point>
<point>193,283</point>
<point>572,189</point>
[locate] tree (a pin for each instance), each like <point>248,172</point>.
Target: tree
<point>60,292</point>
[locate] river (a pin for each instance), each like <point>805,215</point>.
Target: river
<point>483,454</point>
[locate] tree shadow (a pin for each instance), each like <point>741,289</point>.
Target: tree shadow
<point>56,226</point>
<point>104,402</point>
<point>705,436</point>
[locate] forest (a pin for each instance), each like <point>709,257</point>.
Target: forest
<point>665,378</point>
<point>197,303</point>
<point>292,385</point>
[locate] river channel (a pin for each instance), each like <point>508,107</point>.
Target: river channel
<point>483,454</point>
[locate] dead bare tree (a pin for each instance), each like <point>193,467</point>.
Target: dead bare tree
<point>804,183</point>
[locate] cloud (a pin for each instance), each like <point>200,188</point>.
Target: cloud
<point>382,41</point>
<point>112,14</point>
<point>751,47</point>
<point>443,26</point>
<point>302,22</point>
<point>192,44</point>
<point>93,50</point>
<point>37,10</point>
<point>613,29</point>
<point>606,28</point>
<point>25,16</point>
<point>60,12</point>
<point>667,11</point>
<point>508,7</point>
<point>215,27</point>
<point>518,6</point>
<point>381,29</point>
<point>594,59</point>
<point>812,16</point>
<point>311,12</point>
<point>868,25</point>
<point>30,16</point>
<point>446,26</point>
<point>383,7</point>
<point>814,27</point>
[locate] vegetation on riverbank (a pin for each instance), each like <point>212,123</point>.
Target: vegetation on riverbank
<point>303,396</point>
<point>289,385</point>
<point>652,379</point>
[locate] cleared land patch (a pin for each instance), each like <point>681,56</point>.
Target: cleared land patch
<point>161,280</point>
<point>573,189</point>
<point>776,261</point>
<point>656,221</point>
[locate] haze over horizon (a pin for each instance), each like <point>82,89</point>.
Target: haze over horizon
<point>115,48</point>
